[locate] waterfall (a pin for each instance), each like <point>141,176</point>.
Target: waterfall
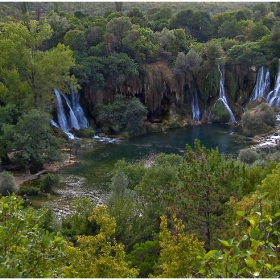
<point>273,98</point>
<point>74,118</point>
<point>262,84</point>
<point>195,107</point>
<point>78,110</point>
<point>61,116</point>
<point>222,97</point>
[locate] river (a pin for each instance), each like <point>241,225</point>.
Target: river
<point>91,177</point>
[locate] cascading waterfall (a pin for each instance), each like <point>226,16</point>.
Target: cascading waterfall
<point>195,107</point>
<point>273,98</point>
<point>262,86</point>
<point>223,96</point>
<point>223,99</point>
<point>74,118</point>
<point>61,116</point>
<point>78,110</point>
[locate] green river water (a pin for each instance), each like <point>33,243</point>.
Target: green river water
<point>91,176</point>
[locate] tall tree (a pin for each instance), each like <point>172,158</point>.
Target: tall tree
<point>179,250</point>
<point>100,255</point>
<point>28,74</point>
<point>33,140</point>
<point>56,7</point>
<point>209,180</point>
<point>118,28</point>
<point>122,205</point>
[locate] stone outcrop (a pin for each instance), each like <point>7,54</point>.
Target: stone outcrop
<point>259,118</point>
<point>162,92</point>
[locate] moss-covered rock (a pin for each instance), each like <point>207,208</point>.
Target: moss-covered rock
<point>219,113</point>
<point>259,118</point>
<point>84,133</point>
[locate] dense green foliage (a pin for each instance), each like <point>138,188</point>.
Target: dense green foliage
<point>28,76</point>
<point>201,214</point>
<point>13,10</point>
<point>99,255</point>
<point>107,52</point>
<point>48,182</point>
<point>259,120</point>
<point>197,215</point>
<point>123,115</point>
<point>253,253</point>
<point>7,183</point>
<point>32,139</point>
<point>26,249</point>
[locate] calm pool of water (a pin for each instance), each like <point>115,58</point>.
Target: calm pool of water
<point>99,159</point>
<point>91,178</point>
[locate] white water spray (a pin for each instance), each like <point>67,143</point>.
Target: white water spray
<point>222,98</point>
<point>262,86</point>
<point>74,118</point>
<point>195,107</point>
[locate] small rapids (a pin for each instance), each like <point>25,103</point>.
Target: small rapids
<point>72,188</point>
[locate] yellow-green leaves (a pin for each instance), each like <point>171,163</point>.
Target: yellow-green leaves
<point>26,250</point>
<point>98,256</point>
<point>251,254</point>
<point>179,250</point>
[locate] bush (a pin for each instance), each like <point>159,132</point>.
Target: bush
<point>7,183</point>
<point>190,62</point>
<point>247,54</point>
<point>144,256</point>
<point>259,120</point>
<point>28,189</point>
<point>248,156</point>
<point>48,181</point>
<point>123,115</point>
<point>84,133</point>
<point>259,162</point>
<point>77,221</point>
<point>174,125</point>
<point>219,113</point>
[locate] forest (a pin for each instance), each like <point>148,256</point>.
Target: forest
<point>203,214</point>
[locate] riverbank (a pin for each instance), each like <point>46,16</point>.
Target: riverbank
<point>270,139</point>
<point>261,142</point>
<point>50,168</point>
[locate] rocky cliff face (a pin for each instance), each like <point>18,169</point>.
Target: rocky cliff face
<point>162,92</point>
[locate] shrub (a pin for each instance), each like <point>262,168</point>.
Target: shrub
<point>259,162</point>
<point>144,256</point>
<point>7,183</point>
<point>48,181</point>
<point>84,133</point>
<point>219,113</point>
<point>259,120</point>
<point>248,156</point>
<point>123,115</point>
<point>189,62</point>
<point>247,54</point>
<point>28,190</point>
<point>77,222</point>
<point>174,125</point>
